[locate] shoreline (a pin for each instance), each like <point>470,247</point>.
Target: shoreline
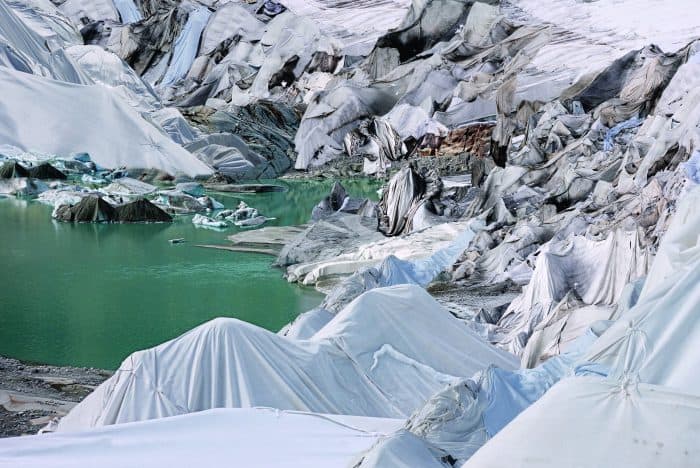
<point>32,394</point>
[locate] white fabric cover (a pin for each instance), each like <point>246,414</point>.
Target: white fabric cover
<point>94,10</point>
<point>640,382</point>
<point>626,24</point>
<point>222,437</point>
<point>128,11</point>
<point>106,68</point>
<point>24,49</point>
<point>656,341</point>
<point>230,20</point>
<point>561,329</point>
<point>439,242</point>
<point>596,270</point>
<point>46,20</point>
<point>585,422</point>
<point>402,450</point>
<point>391,271</point>
<point>35,110</point>
<point>384,355</point>
<point>358,24</point>
<point>461,418</point>
<point>186,46</point>
<point>174,124</point>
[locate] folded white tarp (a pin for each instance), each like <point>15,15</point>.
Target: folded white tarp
<point>36,110</point>
<point>461,418</point>
<point>93,10</point>
<point>624,24</point>
<point>401,450</point>
<point>186,46</point>
<point>24,49</point>
<point>46,20</point>
<point>657,340</point>
<point>106,68</point>
<point>358,24</point>
<point>231,20</point>
<point>585,422</point>
<point>383,355</point>
<point>128,11</point>
<point>597,271</point>
<point>440,240</point>
<point>225,437</point>
<point>391,271</point>
<point>642,383</point>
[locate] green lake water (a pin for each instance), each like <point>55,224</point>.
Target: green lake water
<point>89,295</point>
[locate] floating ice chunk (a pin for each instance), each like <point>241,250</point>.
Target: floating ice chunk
<point>180,201</point>
<point>21,186</point>
<point>244,212</point>
<point>224,214</point>
<point>210,203</point>
<point>68,195</point>
<point>201,220</point>
<point>191,188</point>
<point>89,179</point>
<point>128,187</point>
<point>252,222</point>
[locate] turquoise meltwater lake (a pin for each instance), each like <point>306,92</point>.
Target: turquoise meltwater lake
<point>89,295</point>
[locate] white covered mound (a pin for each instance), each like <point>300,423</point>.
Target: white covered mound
<point>643,384</point>
<point>40,114</point>
<point>439,240</point>
<point>657,340</point>
<point>222,437</point>
<point>596,271</point>
<point>383,355</point>
<point>585,422</point>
